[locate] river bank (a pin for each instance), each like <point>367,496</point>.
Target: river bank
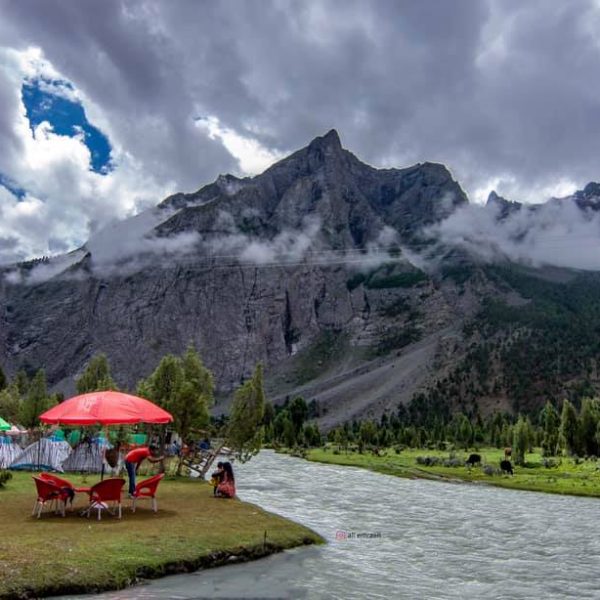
<point>567,476</point>
<point>393,537</point>
<point>191,530</point>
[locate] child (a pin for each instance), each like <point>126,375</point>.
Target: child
<point>216,477</point>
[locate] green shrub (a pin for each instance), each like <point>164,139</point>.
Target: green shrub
<point>4,477</point>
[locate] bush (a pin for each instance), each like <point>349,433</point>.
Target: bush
<point>428,461</point>
<point>489,470</point>
<point>549,463</point>
<point>4,477</point>
<point>453,462</point>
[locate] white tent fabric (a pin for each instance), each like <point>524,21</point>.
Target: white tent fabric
<point>8,452</point>
<point>87,457</point>
<point>46,454</point>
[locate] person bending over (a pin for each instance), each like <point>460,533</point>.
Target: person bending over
<point>134,458</point>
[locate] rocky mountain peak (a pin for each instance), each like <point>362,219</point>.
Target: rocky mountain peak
<point>588,198</point>
<point>502,205</point>
<point>591,190</point>
<point>331,141</point>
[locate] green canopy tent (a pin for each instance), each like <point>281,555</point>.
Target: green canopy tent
<point>4,426</point>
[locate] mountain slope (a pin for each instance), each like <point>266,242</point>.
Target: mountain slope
<point>268,266</point>
<point>341,278</point>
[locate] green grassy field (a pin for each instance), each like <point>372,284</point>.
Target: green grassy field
<point>581,479</point>
<point>192,529</point>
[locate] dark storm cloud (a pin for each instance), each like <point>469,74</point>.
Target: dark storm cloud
<point>504,92</point>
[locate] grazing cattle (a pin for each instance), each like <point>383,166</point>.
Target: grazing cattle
<point>507,453</point>
<point>506,466</point>
<point>474,459</point>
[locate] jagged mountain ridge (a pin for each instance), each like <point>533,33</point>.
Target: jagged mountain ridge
<point>357,336</point>
<point>239,315</point>
<point>352,199</point>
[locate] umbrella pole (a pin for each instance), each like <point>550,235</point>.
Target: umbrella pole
<point>103,453</point>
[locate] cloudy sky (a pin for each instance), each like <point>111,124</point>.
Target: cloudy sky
<point>106,107</point>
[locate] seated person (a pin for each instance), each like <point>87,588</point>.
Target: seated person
<point>226,489</point>
<point>217,477</point>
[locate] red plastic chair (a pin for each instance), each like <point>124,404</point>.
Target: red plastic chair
<point>104,492</point>
<point>60,482</point>
<point>47,491</point>
<point>147,489</point>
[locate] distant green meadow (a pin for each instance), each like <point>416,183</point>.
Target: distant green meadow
<point>562,475</point>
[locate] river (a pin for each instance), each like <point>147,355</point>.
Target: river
<point>399,538</point>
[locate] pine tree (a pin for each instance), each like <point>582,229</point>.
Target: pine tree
<point>245,433</point>
<point>368,433</point>
<point>36,401</point>
<point>465,432</point>
<point>340,437</point>
<point>96,376</point>
<point>184,387</point>
<point>190,406</point>
<point>298,410</point>
<point>289,433</point>
<point>164,384</point>
<point>22,383</point>
<point>10,404</point>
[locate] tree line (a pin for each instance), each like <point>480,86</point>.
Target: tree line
<point>182,385</point>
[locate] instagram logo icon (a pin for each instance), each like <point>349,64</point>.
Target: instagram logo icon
<point>341,535</point>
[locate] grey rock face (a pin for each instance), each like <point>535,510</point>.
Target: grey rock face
<point>281,258</point>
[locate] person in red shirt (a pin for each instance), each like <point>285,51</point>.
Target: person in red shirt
<point>134,458</point>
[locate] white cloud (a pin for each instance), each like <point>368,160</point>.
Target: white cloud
<point>498,90</point>
<point>253,158</point>
<point>65,200</point>
<point>557,233</point>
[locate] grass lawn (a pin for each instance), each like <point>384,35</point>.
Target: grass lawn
<point>581,479</point>
<point>73,554</point>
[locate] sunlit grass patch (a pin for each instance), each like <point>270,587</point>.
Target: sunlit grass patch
<point>191,529</point>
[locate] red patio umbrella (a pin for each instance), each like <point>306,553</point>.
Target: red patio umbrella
<point>105,408</point>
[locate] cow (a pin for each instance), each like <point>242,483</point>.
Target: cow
<point>507,453</point>
<point>474,459</point>
<point>506,467</point>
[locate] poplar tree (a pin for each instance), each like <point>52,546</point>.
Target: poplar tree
<point>589,416</point>
<point>521,442</point>
<point>550,422</point>
<point>568,428</point>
